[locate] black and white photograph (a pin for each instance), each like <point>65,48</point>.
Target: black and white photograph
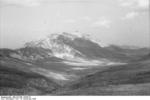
<point>74,48</point>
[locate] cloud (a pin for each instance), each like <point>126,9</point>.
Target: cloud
<point>136,4</point>
<point>102,22</point>
<point>130,15</point>
<point>86,18</point>
<point>32,3</point>
<point>81,19</point>
<point>29,3</point>
<point>70,21</point>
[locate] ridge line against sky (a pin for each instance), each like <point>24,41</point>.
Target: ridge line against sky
<point>111,21</point>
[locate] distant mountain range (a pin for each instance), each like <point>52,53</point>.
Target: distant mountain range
<point>72,47</point>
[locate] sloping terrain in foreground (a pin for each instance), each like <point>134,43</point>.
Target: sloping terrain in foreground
<point>18,82</point>
<point>23,78</point>
<point>62,77</point>
<point>130,79</point>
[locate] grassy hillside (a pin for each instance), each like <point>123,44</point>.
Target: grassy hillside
<point>19,82</point>
<point>131,79</point>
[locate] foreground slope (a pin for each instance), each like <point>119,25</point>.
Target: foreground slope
<point>130,79</point>
<point>16,78</point>
<point>17,82</point>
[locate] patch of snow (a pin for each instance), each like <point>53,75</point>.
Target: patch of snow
<point>29,64</point>
<point>52,74</point>
<point>58,76</point>
<point>115,63</point>
<point>14,55</point>
<point>79,68</point>
<point>84,63</point>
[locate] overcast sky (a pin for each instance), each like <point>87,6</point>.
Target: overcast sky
<point>123,22</point>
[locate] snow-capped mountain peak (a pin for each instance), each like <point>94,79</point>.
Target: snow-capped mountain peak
<point>74,45</point>
<point>56,43</point>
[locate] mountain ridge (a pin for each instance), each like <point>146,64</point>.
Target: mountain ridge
<point>72,46</point>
